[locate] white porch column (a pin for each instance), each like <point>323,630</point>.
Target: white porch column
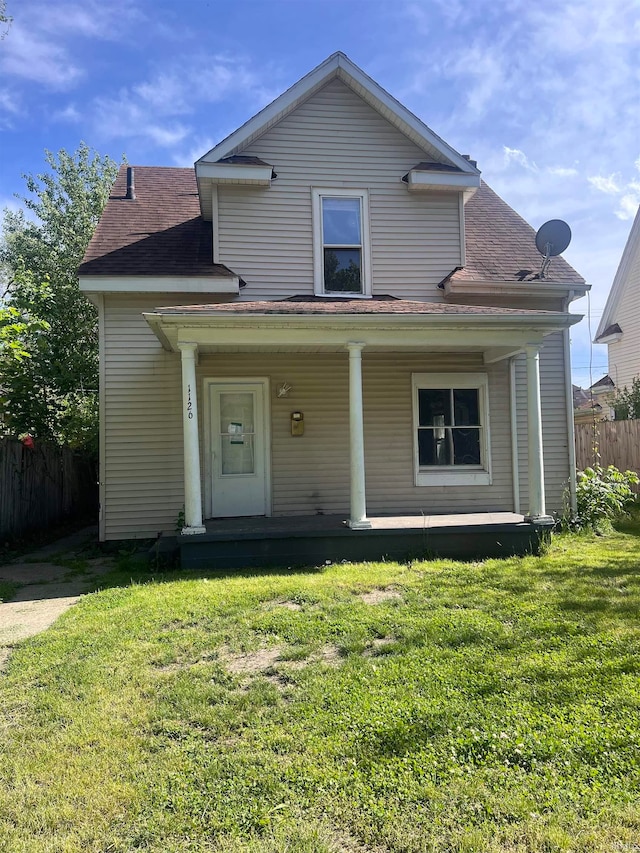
<point>358,519</point>
<point>192,487</point>
<point>537,510</point>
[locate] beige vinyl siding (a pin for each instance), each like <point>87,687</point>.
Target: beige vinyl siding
<point>554,424</point>
<point>310,473</point>
<point>142,476</point>
<point>624,355</point>
<point>337,140</point>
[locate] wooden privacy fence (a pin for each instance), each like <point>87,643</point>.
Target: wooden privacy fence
<point>617,442</point>
<point>42,486</point>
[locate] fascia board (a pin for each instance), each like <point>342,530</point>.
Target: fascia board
<point>234,172</point>
<point>478,287</point>
<point>534,321</point>
<point>274,111</point>
<point>619,281</point>
<point>610,339</point>
<point>159,284</point>
<point>420,181</point>
<point>337,65</point>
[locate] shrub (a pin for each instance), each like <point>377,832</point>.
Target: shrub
<point>603,494</point>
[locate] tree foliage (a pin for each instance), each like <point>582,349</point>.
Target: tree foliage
<point>49,356</point>
<point>5,20</point>
<point>626,403</point>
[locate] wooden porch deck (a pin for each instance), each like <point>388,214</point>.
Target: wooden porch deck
<point>314,540</point>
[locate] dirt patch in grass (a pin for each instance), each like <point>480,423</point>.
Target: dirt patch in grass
<point>272,658</point>
<point>377,645</point>
<point>251,663</point>
<point>378,596</point>
<point>286,605</point>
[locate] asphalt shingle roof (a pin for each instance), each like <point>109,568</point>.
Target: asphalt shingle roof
<point>326,305</point>
<point>161,233</point>
<point>500,245</point>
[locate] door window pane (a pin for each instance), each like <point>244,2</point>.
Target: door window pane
<point>237,433</point>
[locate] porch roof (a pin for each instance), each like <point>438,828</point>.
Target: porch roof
<point>384,323</point>
<point>323,305</point>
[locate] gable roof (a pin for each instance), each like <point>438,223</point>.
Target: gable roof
<point>619,282</point>
<point>161,233</point>
<point>339,65</point>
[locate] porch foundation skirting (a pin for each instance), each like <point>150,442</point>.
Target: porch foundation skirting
<point>315,540</point>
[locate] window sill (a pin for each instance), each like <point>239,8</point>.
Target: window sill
<point>453,478</point>
<point>343,295</point>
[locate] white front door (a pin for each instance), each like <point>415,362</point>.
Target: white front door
<point>239,484</point>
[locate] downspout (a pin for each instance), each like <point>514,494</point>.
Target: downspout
<point>573,498</point>
<point>513,410</point>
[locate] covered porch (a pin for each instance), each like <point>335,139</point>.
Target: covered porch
<point>359,329</point>
<point>315,540</point>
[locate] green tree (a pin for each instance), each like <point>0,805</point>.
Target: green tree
<point>5,20</point>
<point>51,391</point>
<point>626,403</point>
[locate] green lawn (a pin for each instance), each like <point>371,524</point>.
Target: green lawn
<point>482,707</point>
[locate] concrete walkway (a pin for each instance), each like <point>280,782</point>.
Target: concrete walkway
<point>50,580</point>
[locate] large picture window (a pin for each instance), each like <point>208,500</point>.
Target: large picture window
<point>341,245</point>
<point>451,429</point>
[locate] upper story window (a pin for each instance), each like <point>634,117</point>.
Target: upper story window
<point>342,263</point>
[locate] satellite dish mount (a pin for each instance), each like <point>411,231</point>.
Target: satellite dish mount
<point>552,239</point>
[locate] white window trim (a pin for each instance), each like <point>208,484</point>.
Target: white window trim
<point>317,194</point>
<point>450,475</point>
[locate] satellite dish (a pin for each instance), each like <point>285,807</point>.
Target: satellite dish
<point>552,239</point>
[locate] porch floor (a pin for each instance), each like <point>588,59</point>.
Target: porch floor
<point>313,540</point>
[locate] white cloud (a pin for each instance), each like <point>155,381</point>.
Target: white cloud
<point>31,57</point>
<point>39,47</point>
<point>562,171</point>
<point>70,113</point>
<point>156,108</point>
<point>517,156</point>
<point>608,185</point>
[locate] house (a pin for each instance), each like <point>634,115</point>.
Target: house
<point>325,321</point>
<point>619,326</point>
<point>594,404</point>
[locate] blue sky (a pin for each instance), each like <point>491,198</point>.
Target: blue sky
<point>545,95</point>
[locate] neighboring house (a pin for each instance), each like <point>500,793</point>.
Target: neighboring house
<point>595,402</point>
<point>326,317</point>
<point>619,327</point>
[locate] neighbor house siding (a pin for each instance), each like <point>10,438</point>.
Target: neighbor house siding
<point>624,355</point>
<point>555,433</point>
<point>337,140</point>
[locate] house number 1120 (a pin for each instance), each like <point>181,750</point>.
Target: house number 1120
<point>189,403</point>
